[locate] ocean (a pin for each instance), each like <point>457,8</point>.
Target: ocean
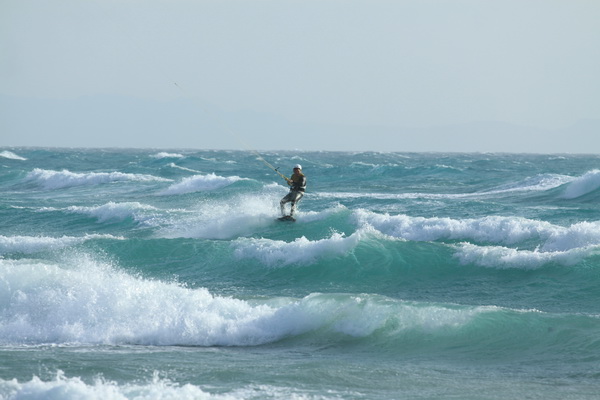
<point>164,274</point>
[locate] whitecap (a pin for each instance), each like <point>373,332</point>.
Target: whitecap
<point>74,388</point>
<point>163,154</point>
<point>35,244</point>
<point>116,211</point>
<point>536,183</point>
<point>73,302</point>
<point>237,216</point>
<point>199,183</point>
<point>275,253</point>
<point>173,165</point>
<point>50,179</point>
<point>552,241</point>
<point>505,258</point>
<point>493,229</point>
<point>11,156</point>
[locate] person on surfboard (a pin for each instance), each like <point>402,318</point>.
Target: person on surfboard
<point>297,184</point>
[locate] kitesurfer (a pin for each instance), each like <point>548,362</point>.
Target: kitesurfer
<point>297,184</point>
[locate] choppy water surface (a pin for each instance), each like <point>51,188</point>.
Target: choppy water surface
<point>154,274</point>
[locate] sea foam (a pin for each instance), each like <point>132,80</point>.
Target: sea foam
<point>62,387</point>
<point>173,165</point>
<point>547,242</point>
<point>235,217</point>
<point>49,179</point>
<point>301,251</point>
<point>495,229</point>
<point>503,258</point>
<point>11,156</point>
<point>35,244</point>
<point>198,183</point>
<point>164,154</point>
<point>74,302</point>
<point>117,211</point>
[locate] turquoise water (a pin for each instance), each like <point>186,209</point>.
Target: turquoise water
<point>151,274</point>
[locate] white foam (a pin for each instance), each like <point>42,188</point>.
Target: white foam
<point>587,183</point>
<point>504,258</point>
<point>75,302</point>
<point>163,154</point>
<point>363,164</point>
<point>117,211</point>
<point>83,301</point>
<point>199,183</point>
<point>63,388</point>
<point>579,235</point>
<point>173,165</point>
<point>36,244</point>
<point>537,183</point>
<point>552,243</point>
<point>231,218</point>
<point>49,179</point>
<point>240,215</point>
<point>11,156</point>
<point>301,251</point>
<point>494,229</point>
<point>157,388</point>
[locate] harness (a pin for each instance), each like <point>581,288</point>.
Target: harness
<point>298,182</point>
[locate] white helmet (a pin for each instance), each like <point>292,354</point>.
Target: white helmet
<point>298,166</point>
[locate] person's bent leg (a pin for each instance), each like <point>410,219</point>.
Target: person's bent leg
<point>286,199</point>
<point>297,197</point>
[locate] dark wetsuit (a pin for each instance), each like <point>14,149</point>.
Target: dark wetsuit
<point>297,187</point>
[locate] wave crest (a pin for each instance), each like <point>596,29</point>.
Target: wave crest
<point>199,183</point>
<point>546,242</point>
<point>587,183</point>
<point>11,156</point>
<point>164,154</point>
<point>36,244</point>
<point>115,211</point>
<point>49,179</point>
<point>301,251</point>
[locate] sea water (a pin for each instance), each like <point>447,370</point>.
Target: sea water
<point>163,274</point>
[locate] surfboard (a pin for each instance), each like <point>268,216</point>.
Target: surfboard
<point>287,218</point>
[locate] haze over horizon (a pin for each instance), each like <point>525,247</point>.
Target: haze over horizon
<point>428,75</point>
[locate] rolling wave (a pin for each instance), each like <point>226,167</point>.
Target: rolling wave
<point>11,156</point>
<point>117,211</point>
<point>301,251</point>
<point>539,183</point>
<point>200,183</point>
<point>585,184</point>
<point>74,302</point>
<point>49,179</point>
<point>547,242</point>
<point>36,244</point>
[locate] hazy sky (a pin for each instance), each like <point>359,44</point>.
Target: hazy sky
<point>368,65</point>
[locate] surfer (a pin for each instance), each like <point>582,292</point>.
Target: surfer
<point>297,184</point>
